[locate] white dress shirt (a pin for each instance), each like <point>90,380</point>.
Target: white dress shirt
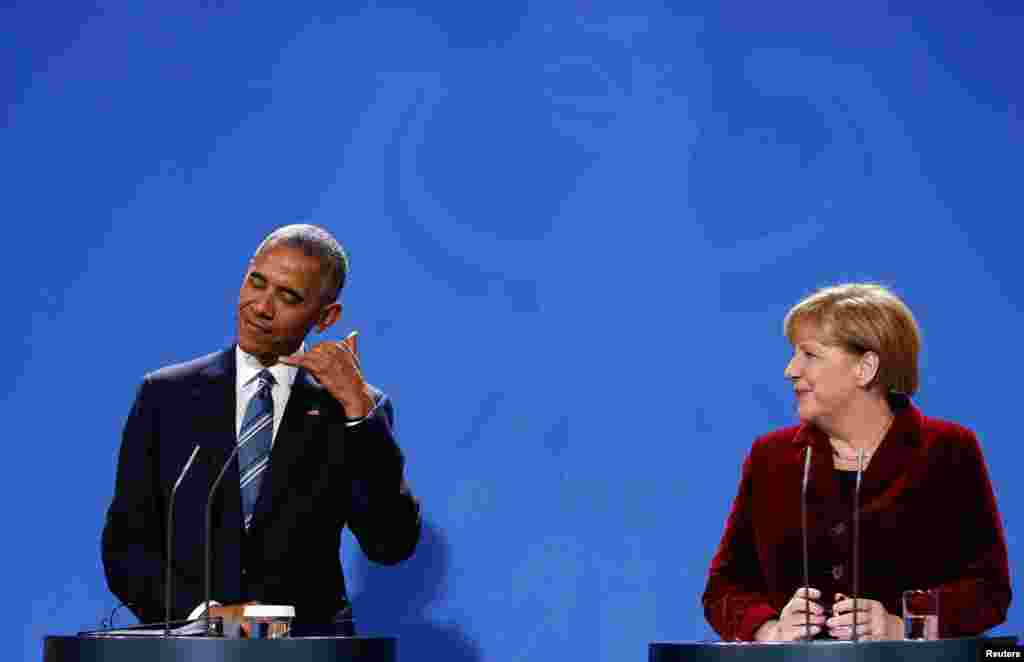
<point>247,369</point>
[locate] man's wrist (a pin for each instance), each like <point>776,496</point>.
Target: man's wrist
<point>357,407</point>
<point>356,413</point>
<point>201,609</point>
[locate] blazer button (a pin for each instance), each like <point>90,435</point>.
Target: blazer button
<point>837,571</point>
<point>839,529</point>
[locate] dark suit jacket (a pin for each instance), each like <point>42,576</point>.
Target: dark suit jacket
<point>322,476</point>
<point>928,520</point>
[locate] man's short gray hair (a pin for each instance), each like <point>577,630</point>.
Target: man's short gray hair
<point>315,242</point>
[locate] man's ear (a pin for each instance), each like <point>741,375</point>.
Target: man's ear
<point>329,314</point>
<point>867,368</point>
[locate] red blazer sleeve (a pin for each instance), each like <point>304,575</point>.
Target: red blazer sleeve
<point>736,603</point>
<point>977,597</point>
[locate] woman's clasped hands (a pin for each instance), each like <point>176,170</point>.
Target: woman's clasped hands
<point>804,617</point>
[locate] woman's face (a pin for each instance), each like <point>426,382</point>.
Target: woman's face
<point>826,378</point>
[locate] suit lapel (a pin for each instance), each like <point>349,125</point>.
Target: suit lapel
<point>214,401</point>
<point>886,471</point>
<point>213,404</point>
<point>822,486</point>
<point>890,468</point>
<point>290,450</point>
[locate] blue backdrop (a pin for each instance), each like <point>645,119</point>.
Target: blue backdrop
<point>575,227</point>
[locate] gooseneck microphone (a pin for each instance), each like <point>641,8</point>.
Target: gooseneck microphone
<point>209,527</point>
<point>803,531</point>
<point>168,589</point>
<point>856,540</point>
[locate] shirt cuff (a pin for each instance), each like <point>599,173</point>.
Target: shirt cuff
<point>352,422</point>
<point>201,609</point>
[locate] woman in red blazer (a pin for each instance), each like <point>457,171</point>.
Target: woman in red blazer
<point>928,517</point>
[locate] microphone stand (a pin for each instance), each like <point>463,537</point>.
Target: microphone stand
<point>803,530</point>
<point>856,541</point>
<point>209,528</point>
<point>168,587</point>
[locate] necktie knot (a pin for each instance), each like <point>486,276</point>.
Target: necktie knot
<point>266,381</point>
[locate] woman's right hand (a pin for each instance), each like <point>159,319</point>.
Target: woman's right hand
<point>792,622</point>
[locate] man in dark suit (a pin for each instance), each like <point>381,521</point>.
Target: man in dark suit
<point>330,458</point>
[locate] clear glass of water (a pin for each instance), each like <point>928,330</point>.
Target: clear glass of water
<point>921,614</point>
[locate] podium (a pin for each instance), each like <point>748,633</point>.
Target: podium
<point>968,649</point>
<point>202,649</point>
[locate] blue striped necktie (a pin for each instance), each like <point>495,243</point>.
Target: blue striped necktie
<point>255,438</point>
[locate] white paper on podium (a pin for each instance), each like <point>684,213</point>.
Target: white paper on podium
<point>189,629</point>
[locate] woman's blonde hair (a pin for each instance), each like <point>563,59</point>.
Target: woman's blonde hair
<point>863,317</point>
